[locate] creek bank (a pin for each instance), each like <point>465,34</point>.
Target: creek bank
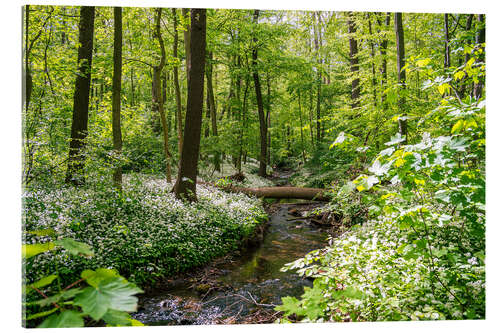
<point>243,287</point>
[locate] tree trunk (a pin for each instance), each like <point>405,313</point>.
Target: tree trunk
<point>353,57</point>
<point>480,39</point>
<point>372,55</point>
<point>76,159</point>
<point>187,43</point>
<point>176,84</point>
<point>278,192</point>
<point>185,186</point>
<point>383,65</point>
<point>117,87</point>
<point>318,79</point>
<point>301,130</point>
<point>28,80</point>
<point>268,120</point>
<point>400,50</point>
<point>463,86</point>
<point>260,104</point>
<point>446,43</point>
<point>213,110</point>
<point>158,103</point>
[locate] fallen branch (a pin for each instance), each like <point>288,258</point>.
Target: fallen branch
<point>278,192</point>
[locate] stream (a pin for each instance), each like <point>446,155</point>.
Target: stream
<point>242,288</point>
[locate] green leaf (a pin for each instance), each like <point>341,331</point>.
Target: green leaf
<point>67,318</point>
<point>396,139</point>
<point>93,278</point>
<point>113,293</point>
<point>458,126</point>
<point>45,281</point>
<point>43,232</point>
<point>117,318</point>
<point>290,306</point>
<point>31,250</point>
<point>42,314</point>
<point>64,295</point>
<point>74,247</point>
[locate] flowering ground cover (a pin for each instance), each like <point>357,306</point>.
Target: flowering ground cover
<point>144,232</point>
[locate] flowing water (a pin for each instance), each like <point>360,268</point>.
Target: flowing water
<point>250,285</point>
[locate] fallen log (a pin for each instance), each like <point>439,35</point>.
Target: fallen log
<point>278,192</point>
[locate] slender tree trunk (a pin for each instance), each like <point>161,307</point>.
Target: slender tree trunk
<point>116,95</point>
<point>372,55</point>
<point>480,39</point>
<point>353,56</point>
<point>213,110</point>
<point>311,126</point>
<point>185,186</point>
<point>268,119</point>
<point>76,160</point>
<point>187,42</point>
<point>383,65</point>
<point>463,86</point>
<point>176,84</point>
<point>301,130</point>
<point>158,103</point>
<point>28,80</point>
<point>447,61</point>
<point>318,79</point>
<point>260,104</point>
<point>400,50</point>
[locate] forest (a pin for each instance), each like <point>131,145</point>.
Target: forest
<point>223,166</point>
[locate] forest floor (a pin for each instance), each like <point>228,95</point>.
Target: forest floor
<point>245,285</point>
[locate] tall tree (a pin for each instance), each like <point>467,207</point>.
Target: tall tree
<point>400,52</point>
<point>447,61</point>
<point>116,94</point>
<point>176,83</point>
<point>480,39</point>
<point>353,57</point>
<point>79,125</point>
<point>187,42</point>
<point>158,103</point>
<point>383,54</point>
<point>185,186</point>
<point>260,103</point>
<point>211,106</point>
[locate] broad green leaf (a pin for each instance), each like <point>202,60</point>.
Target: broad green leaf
<point>290,306</point>
<point>45,281</point>
<point>113,293</point>
<point>117,318</point>
<point>458,126</point>
<point>459,75</point>
<point>93,278</point>
<point>74,247</point>
<point>67,318</point>
<point>423,62</point>
<point>31,250</point>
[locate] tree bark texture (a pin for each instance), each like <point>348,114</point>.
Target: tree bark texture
<point>79,124</point>
<point>185,186</point>
<point>353,57</point>
<point>116,94</point>
<point>400,51</point>
<point>178,102</point>
<point>260,103</point>
<point>278,192</point>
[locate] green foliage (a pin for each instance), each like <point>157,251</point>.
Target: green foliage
<point>108,295</point>
<point>142,232</point>
<point>421,253</point>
